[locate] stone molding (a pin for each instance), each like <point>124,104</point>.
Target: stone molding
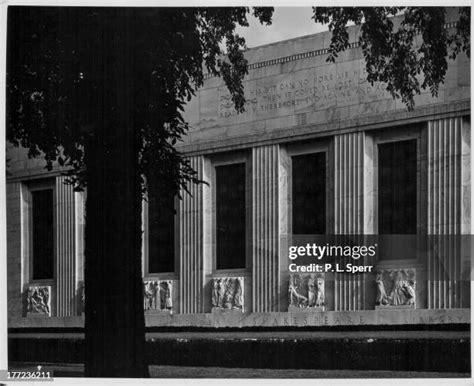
<point>314,130</point>
<point>274,319</point>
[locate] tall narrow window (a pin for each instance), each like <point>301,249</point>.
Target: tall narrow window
<point>397,187</point>
<point>43,234</point>
<point>309,193</point>
<point>230,216</point>
<point>161,241</point>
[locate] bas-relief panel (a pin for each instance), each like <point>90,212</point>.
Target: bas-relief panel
<point>38,301</point>
<point>227,293</point>
<point>306,292</point>
<point>157,295</point>
<point>395,288</point>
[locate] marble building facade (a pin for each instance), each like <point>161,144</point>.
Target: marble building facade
<point>297,105</point>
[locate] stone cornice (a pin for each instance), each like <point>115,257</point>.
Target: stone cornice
<point>303,55</point>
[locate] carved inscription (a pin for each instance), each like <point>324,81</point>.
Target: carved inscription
<point>228,293</point>
<point>157,295</point>
<point>314,89</point>
<point>39,300</point>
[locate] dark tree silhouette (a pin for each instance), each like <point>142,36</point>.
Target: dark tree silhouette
<point>101,90</point>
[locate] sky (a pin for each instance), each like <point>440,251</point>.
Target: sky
<point>287,23</point>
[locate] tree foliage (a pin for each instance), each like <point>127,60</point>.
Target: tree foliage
<point>59,94</point>
<point>393,51</point>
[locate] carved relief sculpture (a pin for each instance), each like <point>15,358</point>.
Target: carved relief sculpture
<point>39,300</point>
<point>215,293</point>
<point>228,293</point>
<point>296,290</point>
<point>320,299</point>
<point>312,291</point>
<point>81,293</point>
<point>382,298</point>
<point>158,295</point>
<point>83,297</point>
<point>306,291</point>
<point>396,288</point>
<point>166,288</point>
<point>239,290</point>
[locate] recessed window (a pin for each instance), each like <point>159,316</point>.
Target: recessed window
<point>161,231</point>
<point>43,234</point>
<point>397,199</point>
<point>309,193</point>
<point>230,216</point>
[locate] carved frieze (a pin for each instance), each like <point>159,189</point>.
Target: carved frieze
<point>306,291</point>
<point>157,295</point>
<point>228,293</point>
<point>38,300</point>
<point>395,288</point>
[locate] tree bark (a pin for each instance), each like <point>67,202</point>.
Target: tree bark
<point>114,317</point>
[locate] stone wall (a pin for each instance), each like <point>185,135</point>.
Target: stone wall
<point>68,232</point>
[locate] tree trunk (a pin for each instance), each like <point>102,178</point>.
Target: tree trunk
<point>114,316</point>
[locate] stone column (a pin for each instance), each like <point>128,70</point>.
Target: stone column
<point>348,212</point>
<point>65,248</point>
<point>191,262</point>
<point>448,209</point>
<point>79,213</point>
<point>265,237</point>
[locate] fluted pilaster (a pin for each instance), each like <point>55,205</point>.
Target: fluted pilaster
<point>65,248</point>
<point>348,212</point>
<point>79,213</point>
<point>448,202</point>
<point>265,272</point>
<point>191,244</point>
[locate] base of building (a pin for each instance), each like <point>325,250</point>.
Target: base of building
<point>294,309</point>
<point>417,350</point>
<point>381,316</point>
